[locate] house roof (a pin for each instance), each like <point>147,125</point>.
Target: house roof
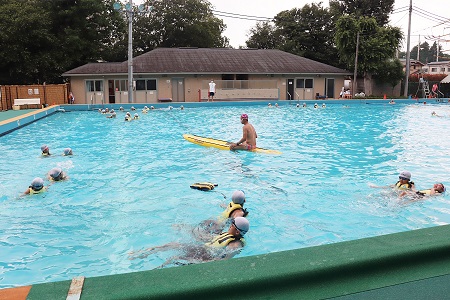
<point>439,63</point>
<point>212,60</point>
<point>411,62</point>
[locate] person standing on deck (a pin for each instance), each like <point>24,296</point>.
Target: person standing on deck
<point>212,90</point>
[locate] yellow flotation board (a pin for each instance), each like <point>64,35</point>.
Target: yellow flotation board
<point>204,186</point>
<point>219,144</point>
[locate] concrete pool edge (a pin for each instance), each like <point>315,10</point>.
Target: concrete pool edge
<point>15,123</point>
<point>351,268</point>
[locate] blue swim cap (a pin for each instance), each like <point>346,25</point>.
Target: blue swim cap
<point>68,151</point>
<point>37,183</point>
<point>238,197</point>
<point>55,172</point>
<point>242,225</point>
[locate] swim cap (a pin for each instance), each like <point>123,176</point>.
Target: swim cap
<point>37,183</point>
<point>405,174</point>
<point>136,115</point>
<point>44,147</point>
<point>55,172</point>
<point>241,224</point>
<point>68,151</point>
<point>238,197</point>
<point>244,116</point>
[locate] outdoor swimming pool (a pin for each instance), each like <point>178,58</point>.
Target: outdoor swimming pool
<point>129,182</point>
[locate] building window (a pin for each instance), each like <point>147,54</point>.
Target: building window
<point>227,76</point>
<point>425,70</point>
<point>304,83</point>
<point>140,85</point>
<point>443,70</point>
<point>433,70</point>
<point>94,85</point>
<point>241,76</point>
<point>151,85</point>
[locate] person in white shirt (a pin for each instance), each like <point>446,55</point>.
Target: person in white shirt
<point>212,90</point>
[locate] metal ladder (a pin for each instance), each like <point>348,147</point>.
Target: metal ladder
<point>426,89</point>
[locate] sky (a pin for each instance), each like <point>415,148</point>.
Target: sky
<point>430,18</point>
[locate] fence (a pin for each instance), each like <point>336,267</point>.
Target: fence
<point>48,93</point>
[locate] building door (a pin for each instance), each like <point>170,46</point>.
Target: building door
<point>178,89</point>
<point>111,91</point>
<point>290,89</point>
<point>94,92</point>
<point>329,87</point>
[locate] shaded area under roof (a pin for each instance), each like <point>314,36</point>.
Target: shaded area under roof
<point>213,60</point>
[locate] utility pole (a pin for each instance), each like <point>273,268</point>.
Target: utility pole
<point>355,73</point>
<point>418,50</point>
<point>408,54</point>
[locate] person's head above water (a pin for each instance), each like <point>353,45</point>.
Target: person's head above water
<point>67,151</point>
<point>56,174</point>
<point>238,197</point>
<point>241,224</point>
<point>37,183</point>
<point>404,175</point>
<point>44,149</point>
<point>439,187</point>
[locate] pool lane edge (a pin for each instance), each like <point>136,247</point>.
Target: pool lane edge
<point>353,269</point>
<point>15,123</point>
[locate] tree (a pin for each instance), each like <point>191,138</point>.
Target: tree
<point>178,23</point>
<point>46,38</point>
<point>392,73</point>
<point>377,44</point>
<point>378,9</point>
<point>263,36</point>
<point>307,32</point>
<point>24,31</point>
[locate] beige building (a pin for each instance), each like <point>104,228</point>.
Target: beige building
<point>437,67</point>
<point>183,74</point>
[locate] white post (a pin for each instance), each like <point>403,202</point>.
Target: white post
<point>355,72</point>
<point>130,52</point>
<point>408,54</point>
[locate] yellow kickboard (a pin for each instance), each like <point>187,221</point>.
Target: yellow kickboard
<point>219,144</point>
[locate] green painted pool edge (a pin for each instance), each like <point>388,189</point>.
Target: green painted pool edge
<point>319,272</point>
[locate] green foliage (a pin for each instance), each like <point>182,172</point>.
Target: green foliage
<point>41,39</point>
<point>178,23</point>
<point>263,36</point>
<point>307,32</point>
<point>378,9</point>
<point>427,53</point>
<point>24,30</point>
<point>391,73</point>
<point>377,44</point>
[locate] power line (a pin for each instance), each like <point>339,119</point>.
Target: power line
<point>239,16</point>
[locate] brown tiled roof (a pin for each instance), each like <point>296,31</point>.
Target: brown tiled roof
<point>213,60</point>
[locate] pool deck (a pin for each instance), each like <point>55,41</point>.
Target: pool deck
<point>14,119</point>
<point>408,265</point>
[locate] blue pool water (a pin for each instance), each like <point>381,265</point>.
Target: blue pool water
<point>129,182</point>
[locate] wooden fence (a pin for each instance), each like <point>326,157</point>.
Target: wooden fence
<point>48,93</point>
